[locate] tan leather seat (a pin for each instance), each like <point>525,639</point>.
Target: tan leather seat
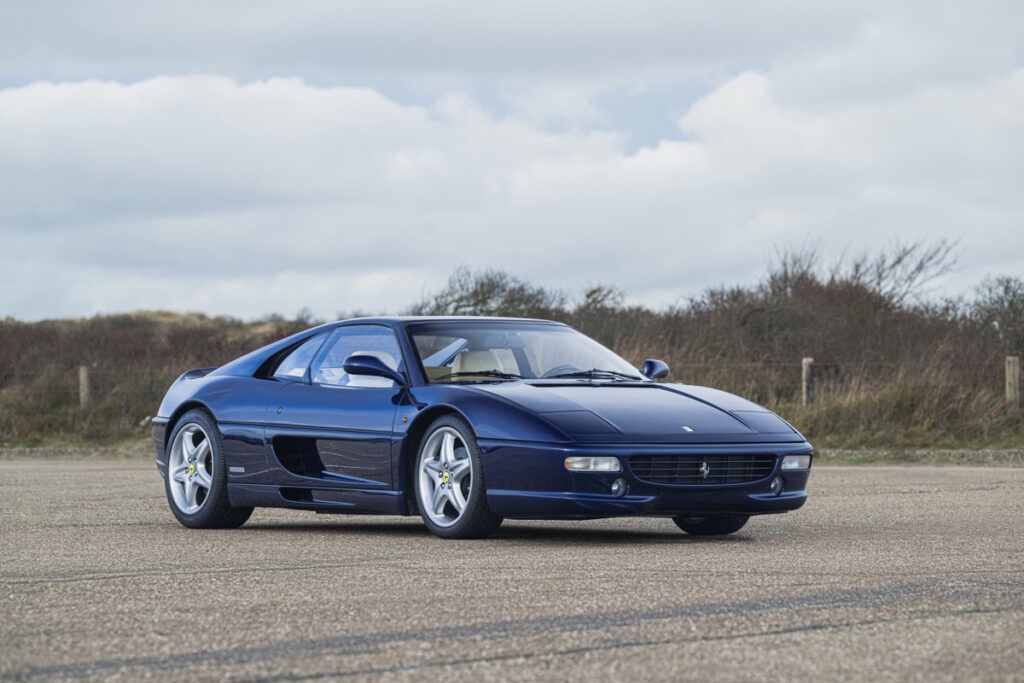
<point>476,361</point>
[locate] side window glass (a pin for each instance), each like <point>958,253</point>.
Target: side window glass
<point>367,340</point>
<point>296,363</point>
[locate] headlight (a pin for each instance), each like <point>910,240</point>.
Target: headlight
<point>796,462</point>
<point>592,464</point>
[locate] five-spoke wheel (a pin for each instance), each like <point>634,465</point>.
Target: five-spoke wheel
<point>196,475</point>
<point>190,467</point>
<point>446,476</point>
<point>449,482</point>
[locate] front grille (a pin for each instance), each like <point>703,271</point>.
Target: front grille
<point>697,469</point>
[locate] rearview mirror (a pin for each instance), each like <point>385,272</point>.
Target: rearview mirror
<point>365,364</point>
<point>655,369</point>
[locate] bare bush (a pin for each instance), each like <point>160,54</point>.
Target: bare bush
<point>1000,306</point>
<point>892,367</point>
<point>490,292</point>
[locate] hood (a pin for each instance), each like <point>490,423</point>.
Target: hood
<point>646,413</point>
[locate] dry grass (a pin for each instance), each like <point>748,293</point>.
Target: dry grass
<point>890,371</point>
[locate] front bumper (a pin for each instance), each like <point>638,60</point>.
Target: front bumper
<point>529,481</point>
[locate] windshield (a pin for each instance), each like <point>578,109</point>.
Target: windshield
<point>486,351</point>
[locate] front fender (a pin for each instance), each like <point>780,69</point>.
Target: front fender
<point>490,416</point>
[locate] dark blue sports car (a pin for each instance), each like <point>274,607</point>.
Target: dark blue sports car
<point>466,421</point>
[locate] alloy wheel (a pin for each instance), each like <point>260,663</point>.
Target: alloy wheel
<point>190,468</point>
<point>445,473</point>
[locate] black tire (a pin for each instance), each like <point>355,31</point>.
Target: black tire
<point>476,520</point>
<point>215,511</point>
<point>713,525</point>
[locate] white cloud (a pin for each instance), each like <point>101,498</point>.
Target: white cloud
<point>433,42</point>
<point>252,195</point>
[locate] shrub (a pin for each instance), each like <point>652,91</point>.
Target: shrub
<point>892,367</point>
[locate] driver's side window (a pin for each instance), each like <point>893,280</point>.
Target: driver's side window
<point>365,340</point>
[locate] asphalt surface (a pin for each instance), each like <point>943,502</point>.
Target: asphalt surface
<point>887,573</point>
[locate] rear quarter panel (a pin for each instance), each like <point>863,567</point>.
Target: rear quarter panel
<point>237,404</point>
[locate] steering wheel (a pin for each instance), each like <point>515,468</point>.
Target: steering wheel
<point>563,369</point>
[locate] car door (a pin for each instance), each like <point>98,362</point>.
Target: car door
<point>336,427</point>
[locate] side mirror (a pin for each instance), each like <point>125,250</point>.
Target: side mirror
<point>365,364</point>
<point>655,369</point>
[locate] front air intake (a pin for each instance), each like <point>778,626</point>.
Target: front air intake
<point>696,470</point>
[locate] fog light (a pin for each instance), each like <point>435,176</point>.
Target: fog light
<point>620,487</point>
<point>796,462</point>
<point>776,486</point>
<point>592,464</point>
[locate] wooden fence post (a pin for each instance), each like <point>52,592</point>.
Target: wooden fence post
<point>1013,381</point>
<point>83,386</point>
<point>807,381</point>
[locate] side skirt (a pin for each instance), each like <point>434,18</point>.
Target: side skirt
<point>351,501</point>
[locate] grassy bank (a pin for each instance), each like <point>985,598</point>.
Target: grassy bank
<point>891,370</point>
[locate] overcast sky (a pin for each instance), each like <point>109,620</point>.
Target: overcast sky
<point>245,158</point>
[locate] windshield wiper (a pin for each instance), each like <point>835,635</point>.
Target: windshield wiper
<point>593,373</point>
<point>498,374</point>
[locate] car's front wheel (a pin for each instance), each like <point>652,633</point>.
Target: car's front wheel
<point>449,481</point>
<point>713,525</point>
<point>197,480</point>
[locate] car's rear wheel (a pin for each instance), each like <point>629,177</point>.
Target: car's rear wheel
<point>449,479</point>
<point>713,525</point>
<point>196,482</point>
